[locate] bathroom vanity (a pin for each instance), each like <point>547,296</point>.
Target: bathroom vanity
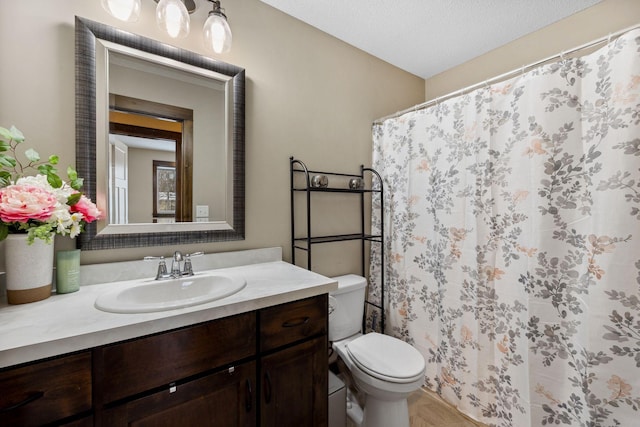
<point>256,358</point>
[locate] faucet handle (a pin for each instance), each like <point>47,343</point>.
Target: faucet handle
<point>188,268</point>
<point>162,269</point>
<point>162,266</point>
<point>195,254</point>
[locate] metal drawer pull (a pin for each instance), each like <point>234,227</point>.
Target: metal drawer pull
<point>32,397</point>
<point>248,400</point>
<point>296,322</point>
<point>267,387</point>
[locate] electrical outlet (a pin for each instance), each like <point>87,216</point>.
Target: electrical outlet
<point>202,211</point>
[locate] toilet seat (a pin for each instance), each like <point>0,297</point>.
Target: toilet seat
<point>386,358</point>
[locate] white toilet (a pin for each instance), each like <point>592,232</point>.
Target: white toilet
<point>384,368</point>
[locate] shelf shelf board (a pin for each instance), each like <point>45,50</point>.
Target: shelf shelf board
<point>335,190</point>
<point>310,172</point>
<point>338,238</point>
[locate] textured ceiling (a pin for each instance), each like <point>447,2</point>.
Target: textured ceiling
<point>426,37</point>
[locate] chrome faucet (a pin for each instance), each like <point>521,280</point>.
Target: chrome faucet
<point>176,269</point>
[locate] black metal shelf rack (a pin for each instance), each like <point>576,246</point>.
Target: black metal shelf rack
<point>305,243</point>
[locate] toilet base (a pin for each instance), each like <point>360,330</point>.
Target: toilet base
<point>385,413</point>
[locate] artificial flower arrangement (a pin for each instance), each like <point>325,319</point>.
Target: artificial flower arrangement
<point>43,204</point>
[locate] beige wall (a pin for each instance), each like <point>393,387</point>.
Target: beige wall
<point>583,27</point>
<point>308,95</point>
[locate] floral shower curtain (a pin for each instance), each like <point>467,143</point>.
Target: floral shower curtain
<point>512,261</point>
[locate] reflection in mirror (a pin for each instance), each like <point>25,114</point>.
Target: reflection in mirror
<point>142,132</point>
<point>141,105</point>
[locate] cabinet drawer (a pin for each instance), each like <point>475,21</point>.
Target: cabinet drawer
<point>145,363</point>
<point>226,398</point>
<point>291,322</point>
<point>45,392</point>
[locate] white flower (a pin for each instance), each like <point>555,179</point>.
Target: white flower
<point>62,193</point>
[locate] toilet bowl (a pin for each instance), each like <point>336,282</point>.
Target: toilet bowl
<point>384,368</point>
<point>387,370</point>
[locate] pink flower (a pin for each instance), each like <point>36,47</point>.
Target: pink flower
<point>21,203</point>
<point>87,208</point>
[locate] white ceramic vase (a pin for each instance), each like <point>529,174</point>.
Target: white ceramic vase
<point>29,269</point>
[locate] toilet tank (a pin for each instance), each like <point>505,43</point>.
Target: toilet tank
<point>346,307</point>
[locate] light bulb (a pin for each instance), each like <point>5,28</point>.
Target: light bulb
<point>124,10</point>
<point>217,34</point>
<point>172,16</point>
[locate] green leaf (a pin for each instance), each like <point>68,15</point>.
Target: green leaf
<point>73,199</point>
<point>72,174</point>
<point>4,231</point>
<point>5,133</point>
<point>53,159</point>
<point>4,146</point>
<point>54,180</point>
<point>16,135</point>
<point>77,184</point>
<point>7,161</point>
<point>47,169</point>
<point>32,155</point>
<point>5,178</point>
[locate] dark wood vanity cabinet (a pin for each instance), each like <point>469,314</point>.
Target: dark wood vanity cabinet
<point>266,367</point>
<point>51,391</point>
<point>294,364</point>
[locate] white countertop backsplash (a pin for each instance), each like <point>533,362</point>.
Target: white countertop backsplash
<point>70,322</point>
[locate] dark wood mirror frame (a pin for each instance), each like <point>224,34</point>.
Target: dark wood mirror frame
<point>87,32</point>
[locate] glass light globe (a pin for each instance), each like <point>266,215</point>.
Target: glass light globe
<point>217,34</point>
<point>172,16</point>
<point>124,10</point>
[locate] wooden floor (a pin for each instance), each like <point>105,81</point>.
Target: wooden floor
<point>427,409</point>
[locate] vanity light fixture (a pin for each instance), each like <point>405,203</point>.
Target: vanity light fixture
<point>124,10</point>
<point>216,31</point>
<point>172,17</point>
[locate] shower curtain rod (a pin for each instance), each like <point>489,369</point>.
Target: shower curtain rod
<point>504,76</point>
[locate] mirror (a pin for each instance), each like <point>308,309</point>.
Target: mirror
<point>168,122</point>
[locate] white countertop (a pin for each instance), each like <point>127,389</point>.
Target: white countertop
<point>70,322</point>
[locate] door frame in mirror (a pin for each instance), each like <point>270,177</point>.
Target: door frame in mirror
<point>86,34</point>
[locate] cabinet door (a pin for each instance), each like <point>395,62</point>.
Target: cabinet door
<point>294,385</point>
<point>44,392</point>
<point>223,399</point>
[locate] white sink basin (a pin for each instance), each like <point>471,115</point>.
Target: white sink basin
<point>161,295</point>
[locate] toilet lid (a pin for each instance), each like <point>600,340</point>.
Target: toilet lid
<point>386,357</point>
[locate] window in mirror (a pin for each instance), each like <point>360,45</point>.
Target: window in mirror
<point>164,191</point>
